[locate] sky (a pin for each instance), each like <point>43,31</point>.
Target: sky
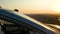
<point>32,6</point>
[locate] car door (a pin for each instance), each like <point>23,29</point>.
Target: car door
<point>20,19</point>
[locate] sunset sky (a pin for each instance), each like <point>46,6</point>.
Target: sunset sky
<point>32,6</point>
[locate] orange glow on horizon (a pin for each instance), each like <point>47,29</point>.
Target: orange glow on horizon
<point>33,6</point>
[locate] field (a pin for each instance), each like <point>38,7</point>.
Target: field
<point>46,18</point>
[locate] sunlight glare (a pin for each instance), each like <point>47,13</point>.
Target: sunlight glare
<point>57,8</point>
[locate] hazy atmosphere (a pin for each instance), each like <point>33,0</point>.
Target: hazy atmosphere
<point>45,16</point>
<point>33,6</point>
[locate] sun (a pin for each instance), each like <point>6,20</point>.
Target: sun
<point>56,8</point>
